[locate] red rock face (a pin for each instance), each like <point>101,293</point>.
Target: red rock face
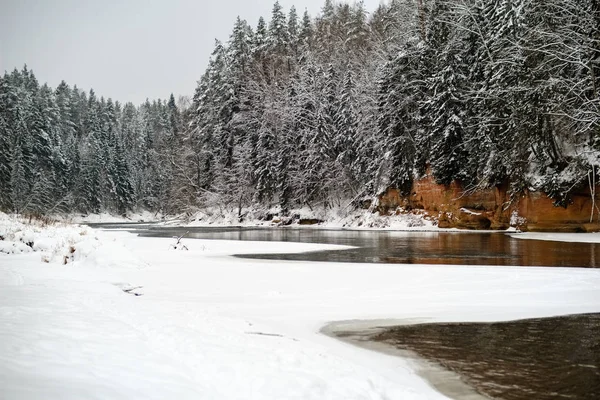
<point>542,215</point>
<point>492,208</point>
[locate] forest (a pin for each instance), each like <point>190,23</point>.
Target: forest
<point>303,111</point>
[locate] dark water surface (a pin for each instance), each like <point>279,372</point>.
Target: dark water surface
<point>464,248</point>
<point>534,359</point>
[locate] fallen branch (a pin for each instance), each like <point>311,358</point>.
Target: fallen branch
<point>178,244</point>
<point>133,290</point>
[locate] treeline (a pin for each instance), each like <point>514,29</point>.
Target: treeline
<point>64,150</point>
<point>287,112</point>
<point>497,92</point>
<point>319,112</point>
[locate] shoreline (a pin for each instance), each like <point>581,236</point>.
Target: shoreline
<point>192,316</point>
<point>359,333</point>
<point>454,383</point>
<point>357,221</point>
<point>565,237</point>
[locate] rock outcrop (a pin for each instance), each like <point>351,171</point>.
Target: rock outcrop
<point>493,209</point>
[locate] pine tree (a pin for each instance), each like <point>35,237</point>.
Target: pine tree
<point>19,180</point>
<point>174,117</point>
<point>358,31</point>
<point>401,90</point>
<point>239,48</point>
<point>345,141</point>
<point>293,31</point>
<point>260,36</point>
<point>124,190</point>
<point>279,44</point>
<point>445,103</point>
<point>306,30</point>
<point>325,31</point>
<point>266,173</point>
<point>5,163</point>
<point>6,139</point>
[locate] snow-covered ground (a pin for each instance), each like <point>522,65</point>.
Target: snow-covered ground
<point>559,237</point>
<point>142,216</point>
<point>210,326</point>
<point>330,218</point>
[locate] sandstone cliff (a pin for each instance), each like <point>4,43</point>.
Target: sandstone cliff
<point>493,208</point>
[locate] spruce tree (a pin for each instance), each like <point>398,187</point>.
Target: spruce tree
<point>306,30</point>
<point>6,140</point>
<point>445,103</point>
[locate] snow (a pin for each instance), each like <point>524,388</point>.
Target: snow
<point>467,211</point>
<point>53,241</point>
<point>559,237</point>
<point>142,216</point>
<point>14,248</point>
<point>211,326</point>
<point>333,218</point>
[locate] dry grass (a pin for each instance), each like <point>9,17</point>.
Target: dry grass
<point>40,220</point>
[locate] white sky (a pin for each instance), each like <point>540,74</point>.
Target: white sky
<point>125,49</point>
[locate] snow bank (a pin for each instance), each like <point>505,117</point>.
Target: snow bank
<point>8,247</point>
<point>57,242</point>
<point>559,237</point>
<point>143,216</point>
<point>53,240</point>
<point>211,326</point>
<point>335,218</point>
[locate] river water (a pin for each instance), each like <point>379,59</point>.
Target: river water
<point>541,359</point>
<point>538,359</point>
<point>462,248</point>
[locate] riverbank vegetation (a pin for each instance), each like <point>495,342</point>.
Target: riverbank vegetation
<point>325,111</point>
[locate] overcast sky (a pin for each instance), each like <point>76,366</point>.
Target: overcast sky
<point>125,49</point>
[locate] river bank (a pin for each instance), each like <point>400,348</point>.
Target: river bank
<point>364,333</point>
<point>415,220</point>
<point>541,358</point>
<point>208,325</point>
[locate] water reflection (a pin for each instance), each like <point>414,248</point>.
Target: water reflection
<point>542,359</point>
<point>465,248</point>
